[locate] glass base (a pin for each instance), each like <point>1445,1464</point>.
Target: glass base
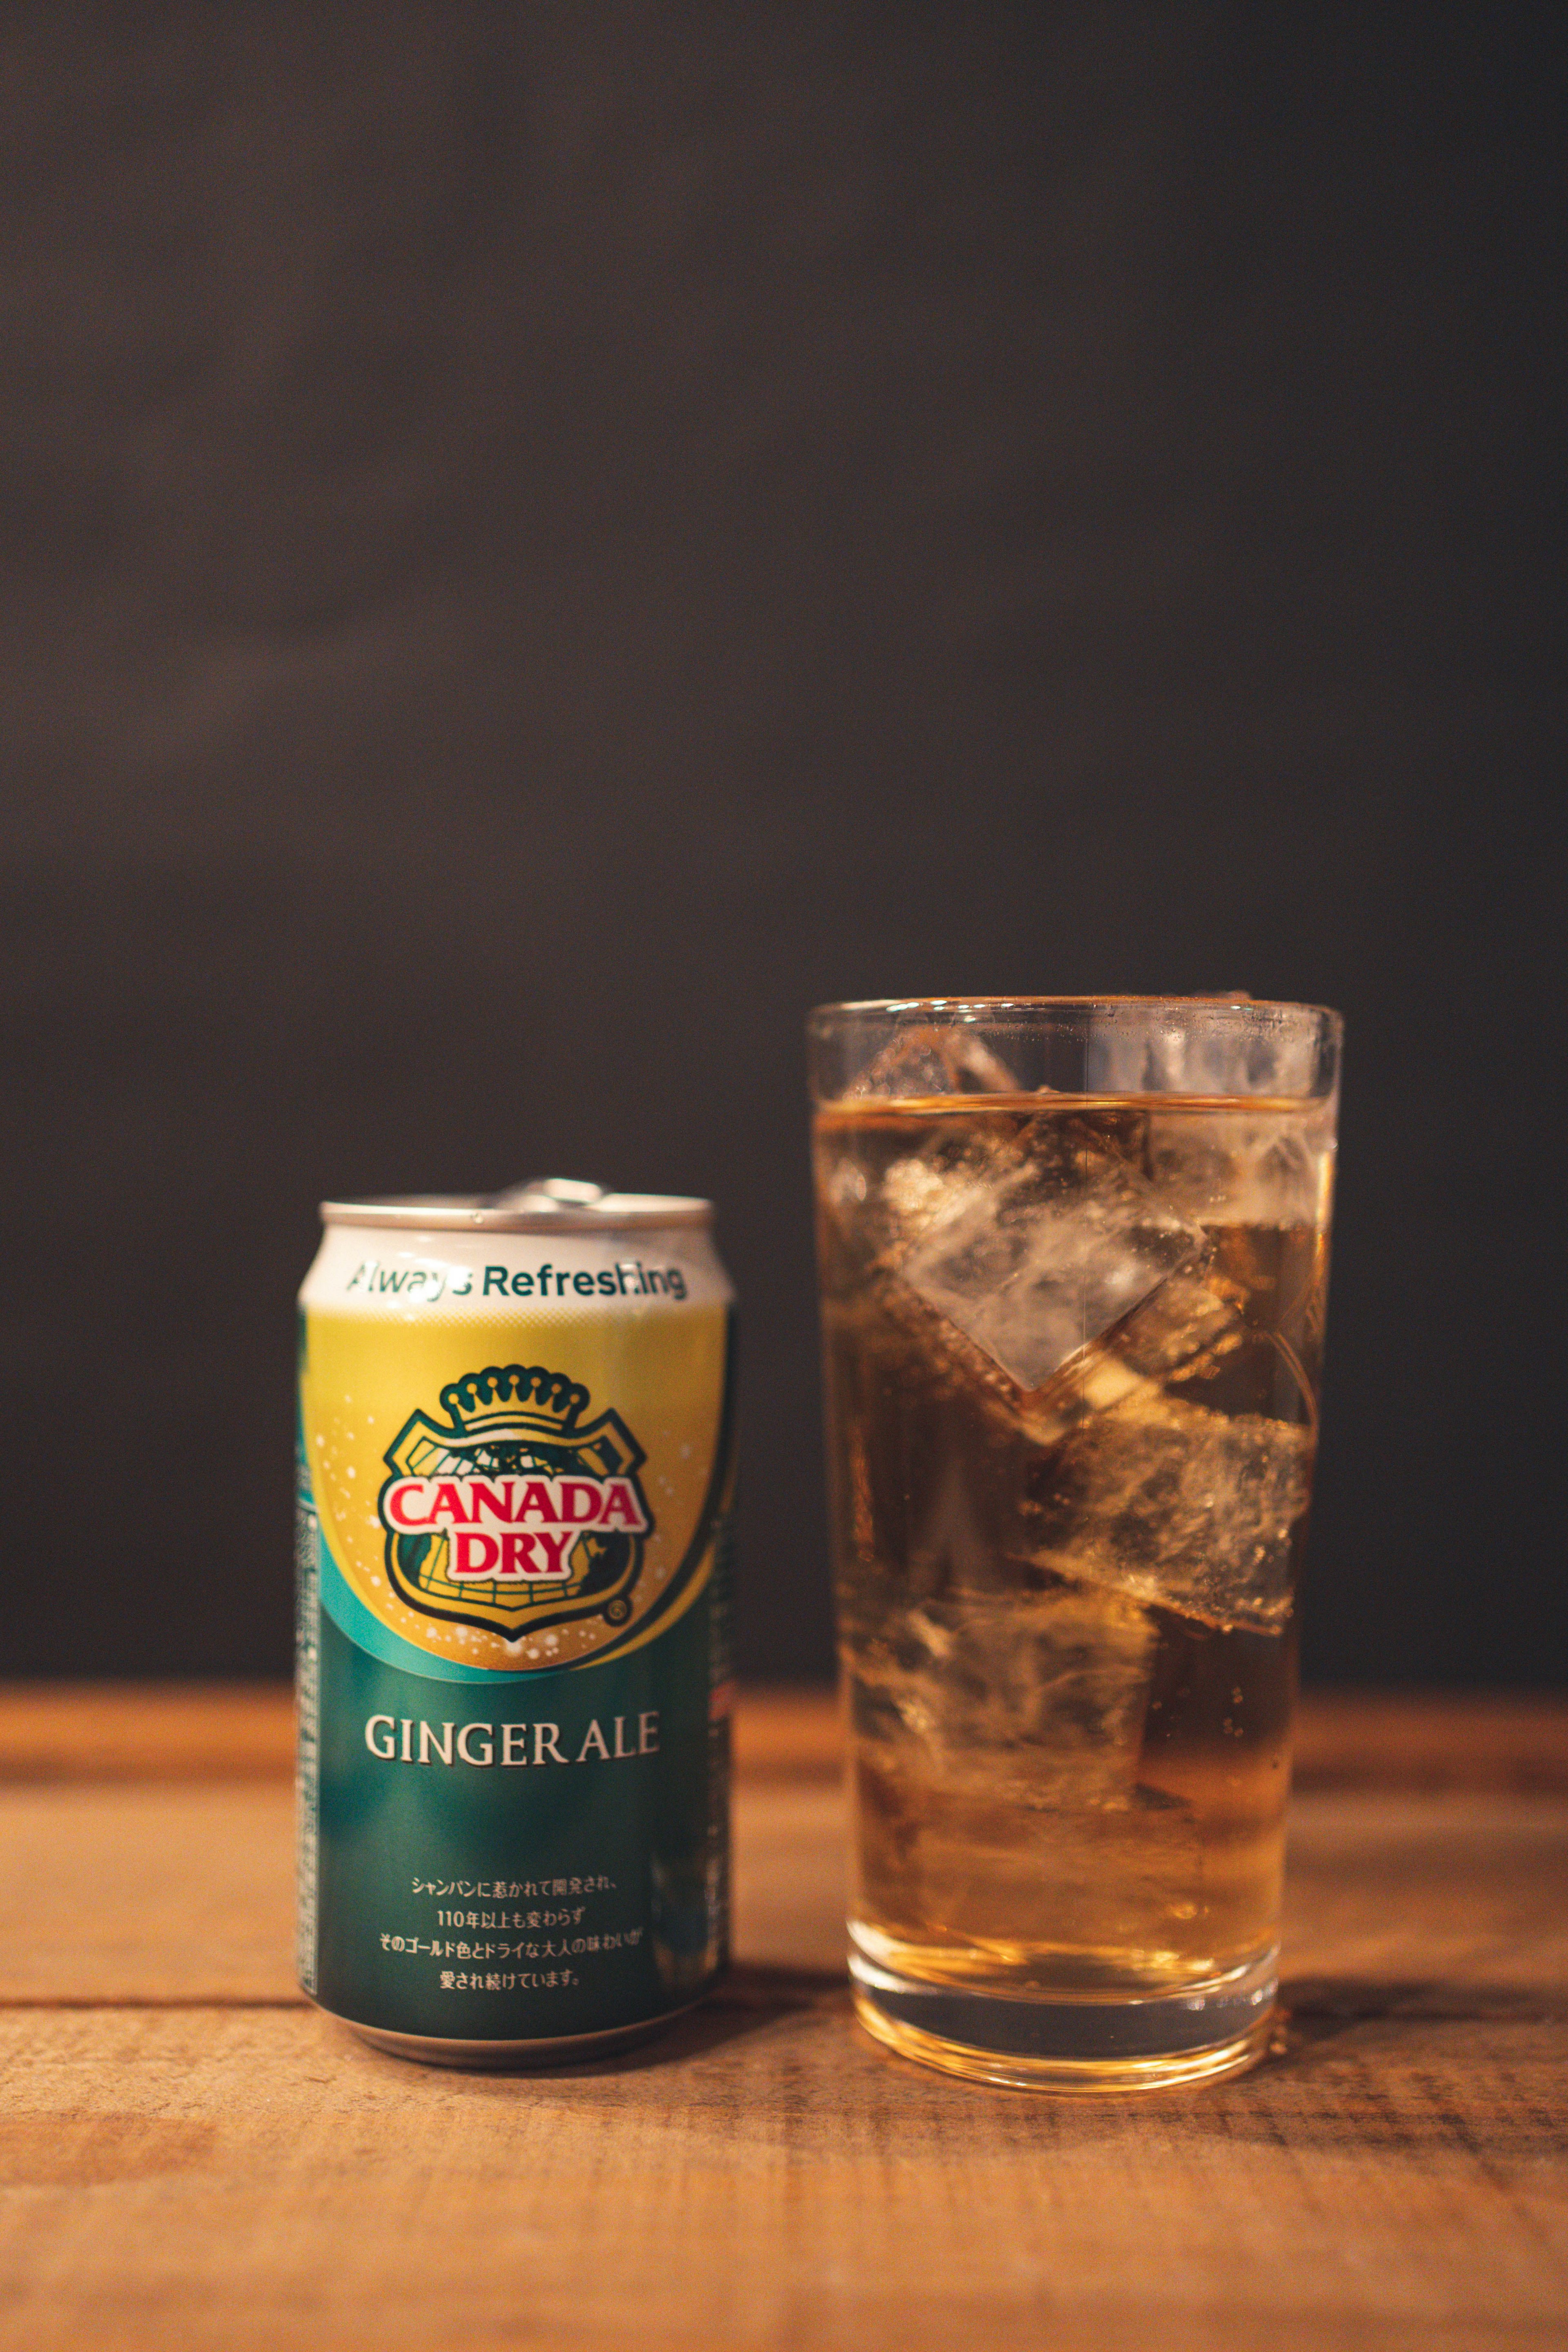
<point>1140,2043</point>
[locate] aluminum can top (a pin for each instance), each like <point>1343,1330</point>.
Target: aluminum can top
<point>544,1204</point>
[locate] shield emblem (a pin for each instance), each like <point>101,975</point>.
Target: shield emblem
<point>516,1512</point>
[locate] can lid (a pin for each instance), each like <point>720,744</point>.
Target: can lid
<point>544,1204</point>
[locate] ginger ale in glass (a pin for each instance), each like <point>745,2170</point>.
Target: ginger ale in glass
<point>1074,1258</point>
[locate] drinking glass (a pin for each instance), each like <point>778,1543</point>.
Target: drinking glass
<point>1074,1259</point>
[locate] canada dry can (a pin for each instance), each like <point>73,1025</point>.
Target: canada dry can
<point>515,1485</point>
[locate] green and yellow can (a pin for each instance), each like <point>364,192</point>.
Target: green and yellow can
<point>515,1487</point>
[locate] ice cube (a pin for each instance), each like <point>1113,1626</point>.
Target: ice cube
<point>924,1184</point>
<point>938,1454</point>
<point>920,1064</point>
<point>1023,1880</point>
<point>1169,1501</point>
<point>1092,1878</point>
<point>880,1182</point>
<point>1025,1697</point>
<point>1186,1330</point>
<point>1216,1046</point>
<point>1187,1325</point>
<point>930,1449</point>
<point>1239,1168</point>
<point>1033,1257</point>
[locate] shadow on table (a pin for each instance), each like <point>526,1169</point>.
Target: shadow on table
<point>1316,2014</point>
<point>750,1999</point>
<point>1317,2010</point>
<point>1421,2067</point>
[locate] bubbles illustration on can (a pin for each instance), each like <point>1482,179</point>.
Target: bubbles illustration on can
<point>515,1482</point>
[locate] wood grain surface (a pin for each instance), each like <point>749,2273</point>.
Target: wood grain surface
<point>189,2155</point>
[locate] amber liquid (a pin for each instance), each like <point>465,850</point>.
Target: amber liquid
<point>1073,1353</point>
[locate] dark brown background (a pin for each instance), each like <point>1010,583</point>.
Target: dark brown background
<point>543,540</point>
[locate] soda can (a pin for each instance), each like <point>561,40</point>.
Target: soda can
<point>515,1486</point>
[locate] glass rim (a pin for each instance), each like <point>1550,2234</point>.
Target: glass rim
<point>1081,1042</point>
<point>956,1006</point>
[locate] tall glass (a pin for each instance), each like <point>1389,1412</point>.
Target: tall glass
<point>1074,1259</point>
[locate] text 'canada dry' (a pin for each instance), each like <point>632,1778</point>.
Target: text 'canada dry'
<point>515,1484</point>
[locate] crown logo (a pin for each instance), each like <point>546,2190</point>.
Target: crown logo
<point>501,1391</point>
<point>520,1512</point>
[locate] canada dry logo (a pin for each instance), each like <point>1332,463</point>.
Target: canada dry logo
<point>515,1513</point>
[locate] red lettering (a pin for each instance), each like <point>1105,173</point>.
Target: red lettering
<point>474,1555</point>
<point>514,1555</point>
<point>401,1498</point>
<point>421,1503</point>
<point>485,1498</point>
<point>554,1548</point>
<point>621,1504</point>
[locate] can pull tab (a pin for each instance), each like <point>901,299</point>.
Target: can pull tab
<point>547,1192</point>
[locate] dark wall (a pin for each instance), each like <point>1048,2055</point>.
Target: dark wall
<point>543,540</point>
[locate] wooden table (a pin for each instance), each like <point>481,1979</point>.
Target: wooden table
<point>191,2156</point>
